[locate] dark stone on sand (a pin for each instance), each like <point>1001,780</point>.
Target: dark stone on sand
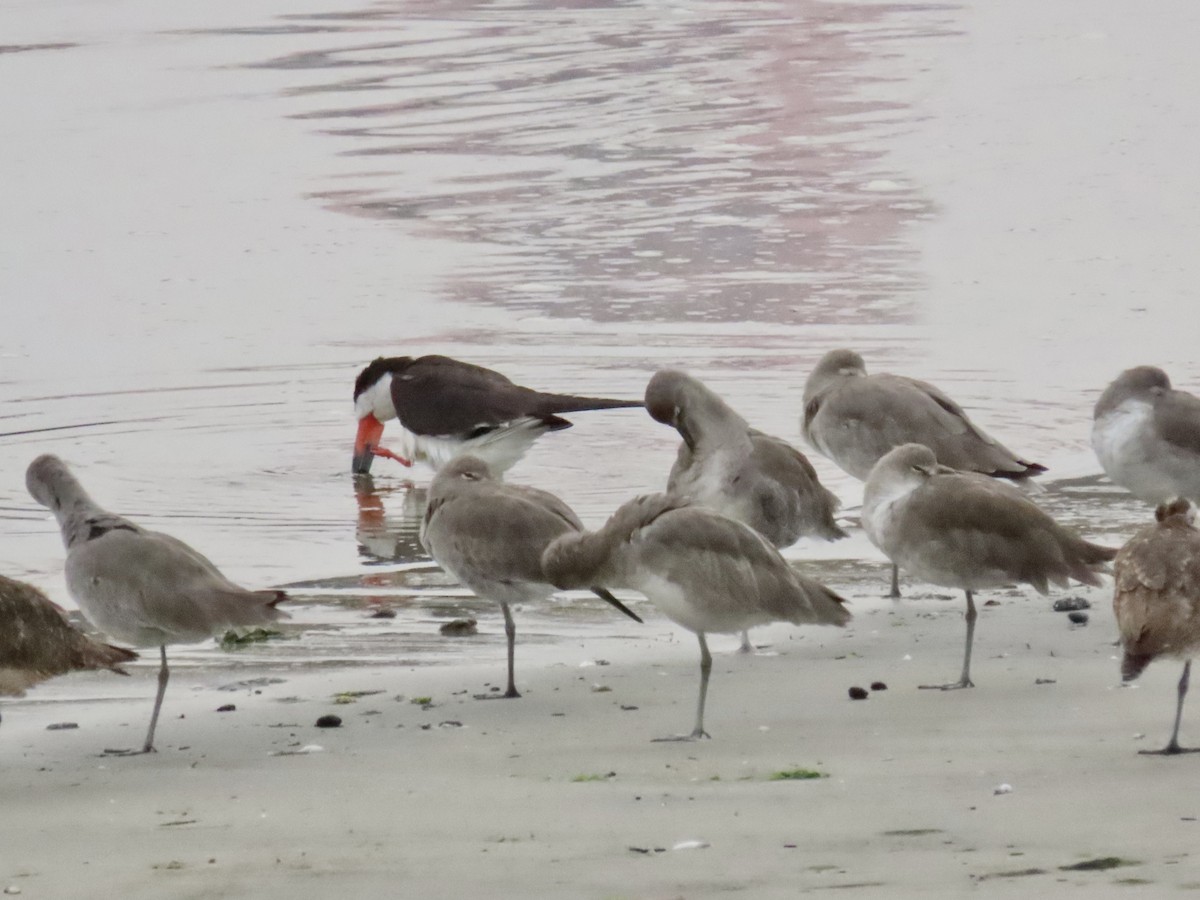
<point>459,628</point>
<point>878,686</point>
<point>1079,618</point>
<point>62,726</point>
<point>1067,604</point>
<point>228,707</point>
<point>383,614</point>
<point>857,693</point>
<point>329,721</point>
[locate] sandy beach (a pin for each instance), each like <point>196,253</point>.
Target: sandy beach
<point>563,792</point>
<point>216,214</point>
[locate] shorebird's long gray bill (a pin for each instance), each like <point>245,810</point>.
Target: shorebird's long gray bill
<point>610,599</point>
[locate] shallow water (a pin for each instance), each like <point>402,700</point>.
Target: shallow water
<point>221,214</point>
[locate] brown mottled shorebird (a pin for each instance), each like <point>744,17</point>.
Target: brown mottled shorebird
<point>490,536</point>
<point>854,419</point>
<point>962,530</point>
<point>704,571</point>
<point>1156,599</point>
<point>724,464</point>
<point>1147,436</point>
<point>141,587</point>
<point>37,642</point>
<point>446,407</point>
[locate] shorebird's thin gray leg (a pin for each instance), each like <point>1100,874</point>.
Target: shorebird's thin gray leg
<point>746,647</point>
<point>510,632</point>
<point>894,593</point>
<point>1173,745</point>
<point>163,674</point>
<point>705,670</point>
<point>965,680</point>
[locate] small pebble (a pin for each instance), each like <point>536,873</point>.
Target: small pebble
<point>1066,604</point>
<point>878,686</point>
<point>459,628</point>
<point>691,845</point>
<point>857,693</point>
<point>62,726</point>
<point>1002,789</point>
<point>329,721</point>
<point>1079,618</point>
<point>12,889</point>
<point>383,614</point>
<point>228,707</point>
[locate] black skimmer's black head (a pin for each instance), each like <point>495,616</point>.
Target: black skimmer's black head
<point>373,405</point>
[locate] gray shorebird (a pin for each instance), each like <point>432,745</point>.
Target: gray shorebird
<point>738,471</point>
<point>37,642</point>
<point>490,536</point>
<point>853,419</point>
<point>445,407</point>
<point>1156,599</point>
<point>1147,436</point>
<point>963,530</point>
<point>141,587</point>
<point>704,571</point>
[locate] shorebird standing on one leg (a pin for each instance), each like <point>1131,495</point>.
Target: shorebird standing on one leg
<point>142,587</point>
<point>37,642</point>
<point>490,536</point>
<point>854,419</point>
<point>962,530</point>
<point>446,407</point>
<point>731,468</point>
<point>1157,600</point>
<point>702,570</point>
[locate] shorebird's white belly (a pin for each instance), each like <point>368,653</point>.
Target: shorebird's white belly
<point>1135,457</point>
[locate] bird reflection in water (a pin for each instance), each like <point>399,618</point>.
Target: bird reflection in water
<point>384,538</point>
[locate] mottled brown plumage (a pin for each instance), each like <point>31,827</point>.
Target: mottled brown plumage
<point>1156,598</point>
<point>37,642</point>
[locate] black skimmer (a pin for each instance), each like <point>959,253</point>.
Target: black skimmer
<point>446,407</point>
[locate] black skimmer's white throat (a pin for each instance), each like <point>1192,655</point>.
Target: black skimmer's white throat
<point>1147,436</point>
<point>446,407</point>
<point>853,419</point>
<point>141,587</point>
<point>963,530</point>
<point>490,536</point>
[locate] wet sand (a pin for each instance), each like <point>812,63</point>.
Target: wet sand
<point>562,793</point>
<point>995,200</point>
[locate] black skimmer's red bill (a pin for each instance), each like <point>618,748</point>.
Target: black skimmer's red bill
<point>446,407</point>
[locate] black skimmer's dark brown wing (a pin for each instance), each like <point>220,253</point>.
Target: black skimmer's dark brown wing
<point>445,406</point>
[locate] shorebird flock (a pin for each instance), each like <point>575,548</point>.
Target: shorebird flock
<point>942,499</point>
